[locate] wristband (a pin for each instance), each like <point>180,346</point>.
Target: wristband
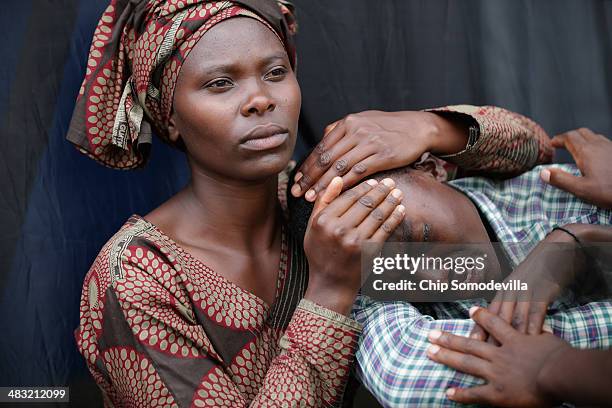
<point>570,233</point>
<point>580,283</point>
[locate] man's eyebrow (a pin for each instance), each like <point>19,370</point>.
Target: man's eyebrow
<point>214,69</point>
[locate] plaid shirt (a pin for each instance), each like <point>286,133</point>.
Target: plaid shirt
<point>391,359</point>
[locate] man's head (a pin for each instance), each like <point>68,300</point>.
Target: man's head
<point>435,212</point>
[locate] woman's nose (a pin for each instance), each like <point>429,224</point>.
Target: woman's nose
<point>258,102</point>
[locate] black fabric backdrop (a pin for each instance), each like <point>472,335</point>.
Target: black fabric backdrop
<point>550,60</point>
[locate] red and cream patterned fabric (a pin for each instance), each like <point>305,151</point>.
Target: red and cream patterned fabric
<point>508,143</point>
<point>160,328</point>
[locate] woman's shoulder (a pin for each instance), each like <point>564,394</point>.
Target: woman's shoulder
<point>137,268</point>
<point>137,244</point>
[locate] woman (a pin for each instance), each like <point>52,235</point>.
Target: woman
<point>201,301</point>
<point>207,300</point>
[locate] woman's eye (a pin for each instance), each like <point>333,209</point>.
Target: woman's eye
<point>219,83</point>
<point>277,73</point>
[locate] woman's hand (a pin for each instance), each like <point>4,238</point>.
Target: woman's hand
<point>549,268</point>
<point>511,371</point>
<point>338,226</point>
<point>365,143</point>
<point>592,153</point>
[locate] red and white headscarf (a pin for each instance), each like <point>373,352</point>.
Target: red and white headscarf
<point>135,57</point>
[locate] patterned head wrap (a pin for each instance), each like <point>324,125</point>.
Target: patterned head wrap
<point>137,51</point>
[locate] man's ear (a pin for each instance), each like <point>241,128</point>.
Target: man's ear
<point>173,132</point>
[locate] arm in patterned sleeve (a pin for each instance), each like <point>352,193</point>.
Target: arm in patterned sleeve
<point>392,361</point>
<point>144,346</point>
<point>318,350</point>
<point>507,143</point>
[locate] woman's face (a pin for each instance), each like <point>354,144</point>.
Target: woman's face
<point>237,102</point>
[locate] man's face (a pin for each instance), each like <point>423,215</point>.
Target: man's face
<point>435,212</point>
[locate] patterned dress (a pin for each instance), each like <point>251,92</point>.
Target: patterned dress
<point>158,327</point>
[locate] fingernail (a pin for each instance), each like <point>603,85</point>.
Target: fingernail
<point>389,182</point>
<point>433,349</point>
<point>397,193</point>
<point>450,392</point>
<point>297,176</point>
<point>296,190</point>
<point>546,328</point>
<point>372,182</point>
<point>434,334</point>
<point>545,175</point>
<point>475,336</point>
<point>401,209</point>
<point>310,195</point>
<point>473,310</point>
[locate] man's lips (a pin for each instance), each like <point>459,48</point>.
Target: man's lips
<point>263,137</point>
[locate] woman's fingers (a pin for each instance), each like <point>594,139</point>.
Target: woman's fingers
<point>537,314</point>
<point>493,324</point>
<point>560,141</point>
<point>347,199</point>
<point>330,127</point>
<point>503,305</point>
<point>330,194</point>
<point>520,319</point>
<point>573,141</point>
<point>366,204</point>
<point>507,308</point>
<point>370,211</point>
<point>587,134</point>
<point>475,395</point>
<point>353,166</point>
<point>466,363</point>
<point>339,166</point>
<point>565,181</point>
<point>591,152</point>
<point>319,160</point>
<point>462,344</point>
<point>478,333</point>
<point>383,233</point>
<point>378,215</point>
<point>363,168</point>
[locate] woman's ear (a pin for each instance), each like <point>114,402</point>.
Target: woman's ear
<point>173,132</point>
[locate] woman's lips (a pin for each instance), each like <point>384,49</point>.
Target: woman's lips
<point>265,137</point>
<point>266,143</point>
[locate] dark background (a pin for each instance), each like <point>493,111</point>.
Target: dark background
<point>550,60</point>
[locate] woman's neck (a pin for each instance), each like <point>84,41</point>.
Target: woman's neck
<point>235,214</point>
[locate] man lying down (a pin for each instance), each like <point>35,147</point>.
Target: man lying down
<point>392,361</point>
